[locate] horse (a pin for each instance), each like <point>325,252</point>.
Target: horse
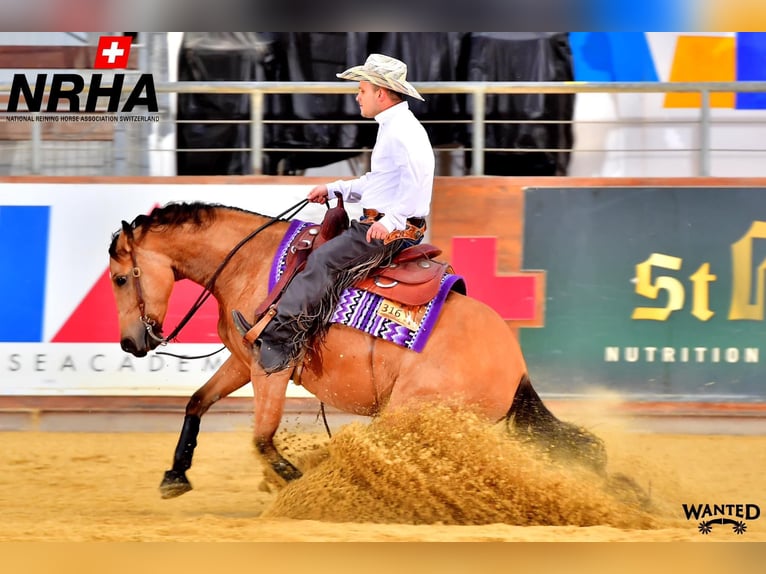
<point>471,360</point>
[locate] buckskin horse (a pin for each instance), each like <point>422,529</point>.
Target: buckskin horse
<point>471,358</point>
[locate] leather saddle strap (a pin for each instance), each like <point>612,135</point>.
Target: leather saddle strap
<point>296,264</point>
<point>335,222</point>
<point>258,328</point>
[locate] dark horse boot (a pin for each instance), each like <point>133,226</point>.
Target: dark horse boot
<point>175,483</point>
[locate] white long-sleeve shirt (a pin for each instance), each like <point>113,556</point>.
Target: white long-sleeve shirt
<point>401,176</point>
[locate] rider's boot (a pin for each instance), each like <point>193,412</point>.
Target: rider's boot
<point>271,356</point>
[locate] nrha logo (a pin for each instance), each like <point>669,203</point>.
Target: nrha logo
<point>113,52</point>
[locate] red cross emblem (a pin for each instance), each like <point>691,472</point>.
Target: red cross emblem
<point>113,52</point>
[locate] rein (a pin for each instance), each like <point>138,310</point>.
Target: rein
<point>207,291</point>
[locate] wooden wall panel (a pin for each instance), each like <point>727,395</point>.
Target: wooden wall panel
<point>461,206</point>
<point>494,206</point>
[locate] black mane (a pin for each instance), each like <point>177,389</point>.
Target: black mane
<point>172,215</point>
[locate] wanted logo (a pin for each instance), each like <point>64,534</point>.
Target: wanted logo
<point>710,515</point>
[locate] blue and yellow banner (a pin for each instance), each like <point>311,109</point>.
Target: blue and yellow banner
<point>692,57</point>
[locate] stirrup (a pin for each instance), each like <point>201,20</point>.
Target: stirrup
<point>251,332</point>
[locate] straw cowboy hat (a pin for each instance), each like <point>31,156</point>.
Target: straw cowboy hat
<point>383,71</point>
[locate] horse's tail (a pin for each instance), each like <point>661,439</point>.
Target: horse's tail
<point>531,419</point>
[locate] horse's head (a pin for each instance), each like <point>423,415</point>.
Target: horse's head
<point>142,280</point>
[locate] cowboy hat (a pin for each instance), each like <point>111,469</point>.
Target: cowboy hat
<point>383,71</point>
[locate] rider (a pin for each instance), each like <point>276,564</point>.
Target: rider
<point>395,195</point>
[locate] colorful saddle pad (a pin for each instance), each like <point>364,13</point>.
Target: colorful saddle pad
<point>406,326</point>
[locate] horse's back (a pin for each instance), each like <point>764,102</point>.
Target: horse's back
<point>471,359</point>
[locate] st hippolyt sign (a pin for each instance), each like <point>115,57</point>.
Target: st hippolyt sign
<point>649,291</point>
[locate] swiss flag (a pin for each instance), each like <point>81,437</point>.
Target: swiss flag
<point>113,52</point>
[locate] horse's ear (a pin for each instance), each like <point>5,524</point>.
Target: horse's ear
<point>126,229</point>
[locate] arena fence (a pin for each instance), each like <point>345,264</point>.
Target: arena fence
<point>148,147</point>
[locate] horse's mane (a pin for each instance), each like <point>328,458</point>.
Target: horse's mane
<point>172,215</point>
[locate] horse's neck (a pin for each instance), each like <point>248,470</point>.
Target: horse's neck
<point>198,253</point>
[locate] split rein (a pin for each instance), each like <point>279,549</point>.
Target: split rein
<point>150,324</point>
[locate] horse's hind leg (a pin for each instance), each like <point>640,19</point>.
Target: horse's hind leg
<point>268,406</point>
<point>229,377</point>
<point>530,417</point>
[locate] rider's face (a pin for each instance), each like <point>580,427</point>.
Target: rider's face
<point>369,99</point>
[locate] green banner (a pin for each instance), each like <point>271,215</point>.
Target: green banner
<point>649,291</point>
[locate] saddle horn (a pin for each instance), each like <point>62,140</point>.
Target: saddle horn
<point>335,221</point>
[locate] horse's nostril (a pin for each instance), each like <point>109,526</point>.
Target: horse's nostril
<point>128,345</point>
<point>134,348</point>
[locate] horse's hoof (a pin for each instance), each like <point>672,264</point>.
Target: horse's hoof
<point>174,484</point>
<point>286,470</point>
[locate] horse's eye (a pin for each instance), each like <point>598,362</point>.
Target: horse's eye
<point>120,280</point>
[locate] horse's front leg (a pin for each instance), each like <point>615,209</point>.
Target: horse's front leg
<point>229,377</point>
<point>268,407</point>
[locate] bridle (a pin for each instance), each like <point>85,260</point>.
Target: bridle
<point>148,322</point>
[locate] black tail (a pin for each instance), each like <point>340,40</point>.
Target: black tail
<point>531,419</point>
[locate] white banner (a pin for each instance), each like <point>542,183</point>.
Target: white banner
<point>54,241</point>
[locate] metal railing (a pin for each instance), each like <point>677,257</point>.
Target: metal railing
<point>478,91</point>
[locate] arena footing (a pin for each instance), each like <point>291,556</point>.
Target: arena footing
<point>165,414</point>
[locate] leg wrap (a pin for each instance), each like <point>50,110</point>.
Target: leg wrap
<point>187,442</point>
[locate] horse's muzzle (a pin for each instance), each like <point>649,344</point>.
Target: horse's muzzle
<point>129,346</point>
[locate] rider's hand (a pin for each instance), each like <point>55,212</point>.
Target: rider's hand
<point>318,194</point>
<point>376,231</point>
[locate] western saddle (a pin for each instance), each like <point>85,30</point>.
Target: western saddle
<point>412,278</point>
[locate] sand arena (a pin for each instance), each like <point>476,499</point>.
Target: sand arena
<point>430,477</point>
